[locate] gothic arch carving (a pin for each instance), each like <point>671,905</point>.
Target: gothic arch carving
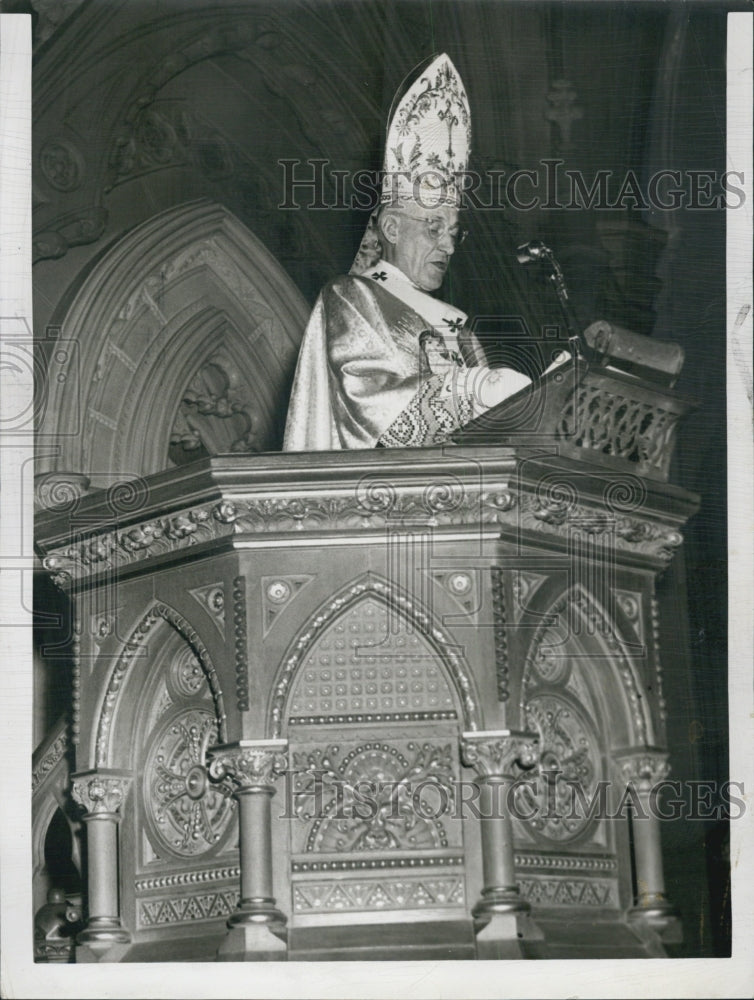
<point>186,330</point>
<point>581,691</point>
<point>120,675</point>
<point>398,603</point>
<point>597,635</point>
<point>50,779</point>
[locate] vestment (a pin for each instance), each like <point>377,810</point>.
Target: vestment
<point>380,364</point>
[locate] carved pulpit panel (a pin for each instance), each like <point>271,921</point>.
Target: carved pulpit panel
<point>373,826</point>
<point>374,749</point>
<point>186,858</point>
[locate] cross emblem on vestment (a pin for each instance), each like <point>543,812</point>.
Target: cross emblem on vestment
<point>454,324</point>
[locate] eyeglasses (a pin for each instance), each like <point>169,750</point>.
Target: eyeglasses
<point>437,228</point>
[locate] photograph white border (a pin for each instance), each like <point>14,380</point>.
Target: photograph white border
<point>20,978</point>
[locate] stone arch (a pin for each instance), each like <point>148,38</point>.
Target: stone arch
<point>619,684</point>
<point>188,328</point>
<point>409,611</point>
<point>159,614</point>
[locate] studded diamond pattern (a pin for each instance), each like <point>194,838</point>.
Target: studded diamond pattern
<point>370,662</point>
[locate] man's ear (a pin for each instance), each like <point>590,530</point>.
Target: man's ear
<point>389,226</point>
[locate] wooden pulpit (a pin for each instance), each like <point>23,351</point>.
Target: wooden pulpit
<point>381,704</point>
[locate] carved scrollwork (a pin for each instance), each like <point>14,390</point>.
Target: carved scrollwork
<point>85,226</point>
<point>357,510</point>
<point>552,513</point>
<point>375,797</point>
<point>117,548</point>
<point>165,135</point>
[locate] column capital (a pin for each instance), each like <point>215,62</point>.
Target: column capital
<point>492,753</point>
<point>248,764</point>
<point>642,767</point>
<point>101,792</point>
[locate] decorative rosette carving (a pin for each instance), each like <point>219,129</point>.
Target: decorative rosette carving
<point>186,814</point>
<point>570,760</point>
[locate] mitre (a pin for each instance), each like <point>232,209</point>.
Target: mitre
<point>426,150</point>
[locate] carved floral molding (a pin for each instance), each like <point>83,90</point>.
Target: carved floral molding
<point>382,506</point>
<point>54,753</point>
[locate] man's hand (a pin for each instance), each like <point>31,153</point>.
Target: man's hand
<point>487,387</point>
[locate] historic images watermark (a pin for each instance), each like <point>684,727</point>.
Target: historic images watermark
<point>547,794</point>
<point>549,185</point>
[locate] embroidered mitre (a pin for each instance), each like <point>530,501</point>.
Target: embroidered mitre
<point>426,151</point>
<point>428,139</point>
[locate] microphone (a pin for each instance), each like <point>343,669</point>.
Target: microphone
<point>535,251</point>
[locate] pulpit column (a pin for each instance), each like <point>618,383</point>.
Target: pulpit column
<point>250,767</point>
<point>641,770</point>
<point>501,915</point>
<point>101,794</point>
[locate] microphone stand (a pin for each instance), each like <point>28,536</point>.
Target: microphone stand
<point>536,251</point>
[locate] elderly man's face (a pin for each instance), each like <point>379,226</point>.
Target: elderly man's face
<point>422,257</point>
